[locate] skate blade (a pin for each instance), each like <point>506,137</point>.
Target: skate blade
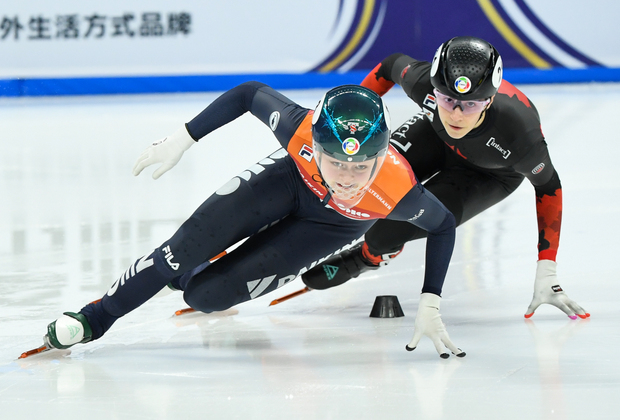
<point>210,315</point>
<point>32,352</point>
<point>290,296</point>
<point>184,311</point>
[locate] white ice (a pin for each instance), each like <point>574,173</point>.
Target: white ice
<point>72,219</point>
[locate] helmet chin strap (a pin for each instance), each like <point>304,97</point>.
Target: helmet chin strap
<point>374,168</point>
<point>328,195</point>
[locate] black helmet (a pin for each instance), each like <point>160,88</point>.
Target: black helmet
<point>466,67</point>
<point>351,124</point>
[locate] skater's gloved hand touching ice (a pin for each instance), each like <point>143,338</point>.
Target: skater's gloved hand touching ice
<point>167,151</point>
<point>428,322</point>
<point>547,290</point>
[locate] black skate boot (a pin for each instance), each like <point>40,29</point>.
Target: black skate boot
<point>338,269</point>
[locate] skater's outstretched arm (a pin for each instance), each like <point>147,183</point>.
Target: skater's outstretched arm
<point>254,97</point>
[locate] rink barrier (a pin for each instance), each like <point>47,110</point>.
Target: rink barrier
<point>213,83</point>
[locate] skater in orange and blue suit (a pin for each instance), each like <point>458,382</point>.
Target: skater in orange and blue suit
<point>335,175</point>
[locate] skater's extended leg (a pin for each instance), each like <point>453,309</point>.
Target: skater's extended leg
<point>222,220</point>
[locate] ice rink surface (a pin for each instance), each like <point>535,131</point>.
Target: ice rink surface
<point>73,218</point>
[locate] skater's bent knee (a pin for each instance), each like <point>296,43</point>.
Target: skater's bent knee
<point>208,301</point>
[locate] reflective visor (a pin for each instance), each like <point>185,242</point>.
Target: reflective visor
<point>468,107</point>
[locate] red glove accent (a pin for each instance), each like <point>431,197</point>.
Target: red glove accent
<point>549,211</point>
<point>376,83</point>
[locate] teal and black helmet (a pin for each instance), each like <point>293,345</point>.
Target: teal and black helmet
<point>351,124</point>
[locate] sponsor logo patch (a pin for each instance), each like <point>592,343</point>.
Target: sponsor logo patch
<point>493,144</point>
<point>417,216</point>
<point>402,73</point>
<point>538,169</point>
<point>430,101</point>
<point>274,119</point>
<point>169,256</point>
<point>306,152</point>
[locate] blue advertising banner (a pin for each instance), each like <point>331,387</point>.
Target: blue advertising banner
<point>527,34</point>
<point>137,46</point>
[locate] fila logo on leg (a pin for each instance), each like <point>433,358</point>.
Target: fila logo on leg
<point>169,257</point>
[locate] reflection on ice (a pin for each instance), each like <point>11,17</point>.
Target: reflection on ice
<point>73,218</point>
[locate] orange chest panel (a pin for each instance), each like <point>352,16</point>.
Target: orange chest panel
<point>394,181</point>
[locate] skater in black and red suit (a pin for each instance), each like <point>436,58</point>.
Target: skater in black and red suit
<point>475,140</point>
<point>335,176</point>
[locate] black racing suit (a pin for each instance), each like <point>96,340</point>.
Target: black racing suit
<point>473,173</point>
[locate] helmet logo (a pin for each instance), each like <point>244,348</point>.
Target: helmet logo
<point>435,64</point>
<point>317,110</point>
<point>351,146</point>
<point>462,84</point>
<point>497,73</point>
<point>352,127</point>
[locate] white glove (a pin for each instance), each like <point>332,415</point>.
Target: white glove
<point>547,290</point>
<point>428,322</point>
<point>167,151</point>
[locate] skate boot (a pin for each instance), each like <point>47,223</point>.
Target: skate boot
<point>345,266</point>
<point>69,329</point>
<point>337,269</point>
